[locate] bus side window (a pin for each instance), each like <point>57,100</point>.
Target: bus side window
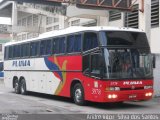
<point>1,67</point>
<point>22,50</point>
<point>48,47</point>
<point>70,43</point>
<point>90,41</point>
<point>16,51</point>
<point>42,47</point>
<point>6,56</point>
<point>34,47</point>
<point>55,45</point>
<point>25,50</point>
<point>78,43</point>
<point>74,43</point>
<point>86,64</point>
<point>45,47</point>
<point>62,45</point>
<point>10,52</point>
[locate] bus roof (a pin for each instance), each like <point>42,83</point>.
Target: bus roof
<point>75,29</point>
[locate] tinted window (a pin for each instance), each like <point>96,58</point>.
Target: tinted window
<point>97,64</point>
<point>55,46</point>
<point>90,41</point>
<point>58,45</point>
<point>86,64</point>
<point>6,54</point>
<point>16,51</point>
<point>48,47</point>
<point>125,38</point>
<point>78,43</point>
<point>10,52</point>
<point>45,47</point>
<point>1,66</point>
<point>25,50</point>
<point>62,45</point>
<point>70,43</point>
<point>42,47</point>
<point>74,43</point>
<point>34,48</point>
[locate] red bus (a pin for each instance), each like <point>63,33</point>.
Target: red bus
<point>99,64</point>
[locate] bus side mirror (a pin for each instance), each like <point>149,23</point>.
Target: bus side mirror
<point>154,61</point>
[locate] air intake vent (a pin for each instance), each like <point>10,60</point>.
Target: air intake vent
<point>114,15</point>
<point>154,13</point>
<point>131,19</point>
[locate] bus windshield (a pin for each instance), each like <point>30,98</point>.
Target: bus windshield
<point>126,55</point>
<point>128,63</point>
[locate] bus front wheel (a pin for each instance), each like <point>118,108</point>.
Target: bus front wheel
<point>78,94</point>
<point>23,89</point>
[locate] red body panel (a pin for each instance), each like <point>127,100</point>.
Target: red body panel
<point>95,90</point>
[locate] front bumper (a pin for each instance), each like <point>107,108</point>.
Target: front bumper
<point>132,95</point>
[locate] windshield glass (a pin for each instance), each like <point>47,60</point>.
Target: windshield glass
<point>128,63</point>
<point>127,55</point>
<point>123,38</point>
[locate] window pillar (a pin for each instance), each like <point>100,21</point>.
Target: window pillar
<point>145,18</point>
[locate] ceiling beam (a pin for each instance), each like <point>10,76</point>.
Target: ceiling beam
<point>39,2</point>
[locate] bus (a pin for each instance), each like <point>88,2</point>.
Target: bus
<point>1,70</point>
<point>98,64</point>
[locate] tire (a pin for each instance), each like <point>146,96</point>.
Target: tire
<point>119,103</point>
<point>16,87</point>
<point>23,89</point>
<point>78,94</point>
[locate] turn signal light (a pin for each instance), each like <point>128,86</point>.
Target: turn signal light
<point>148,87</point>
<point>113,89</point>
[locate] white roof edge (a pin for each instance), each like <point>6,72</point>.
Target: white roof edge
<point>75,29</point>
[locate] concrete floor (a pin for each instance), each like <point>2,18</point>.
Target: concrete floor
<point>40,106</point>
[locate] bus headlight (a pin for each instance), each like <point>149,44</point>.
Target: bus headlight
<point>148,94</point>
<point>113,89</point>
<point>110,96</point>
<point>113,96</point>
<point>148,87</point>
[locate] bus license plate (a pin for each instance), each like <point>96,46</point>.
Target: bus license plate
<point>132,96</point>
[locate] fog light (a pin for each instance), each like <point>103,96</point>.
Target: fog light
<point>148,94</point>
<point>114,96</point>
<point>109,96</point>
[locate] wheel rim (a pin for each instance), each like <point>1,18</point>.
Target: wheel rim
<point>16,87</point>
<point>78,95</point>
<point>22,88</point>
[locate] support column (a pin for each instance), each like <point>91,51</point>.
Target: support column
<point>102,21</point>
<point>145,18</point>
<point>14,18</point>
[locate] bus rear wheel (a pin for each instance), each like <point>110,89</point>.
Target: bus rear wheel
<point>16,87</point>
<point>78,94</point>
<point>23,89</point>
